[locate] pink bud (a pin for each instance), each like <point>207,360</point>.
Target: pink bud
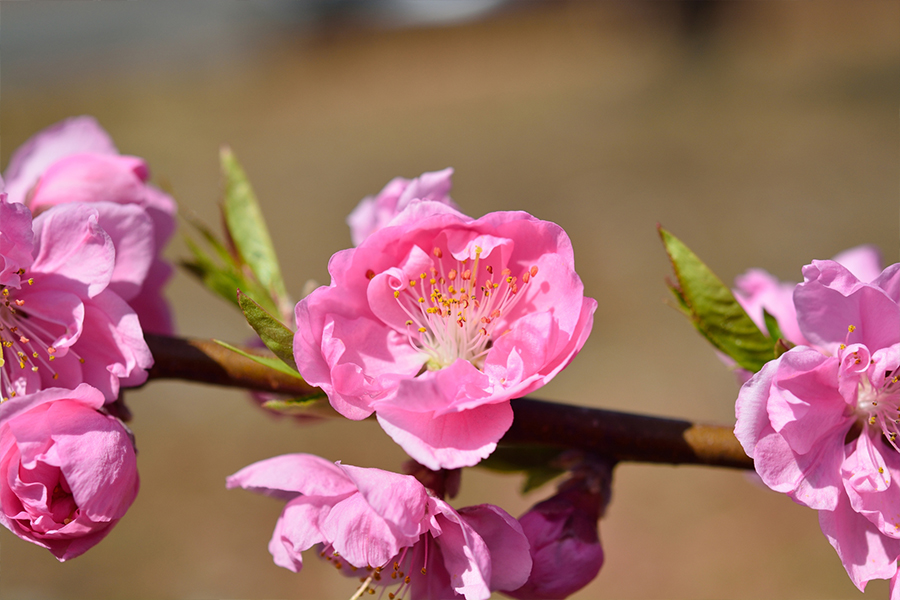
<point>565,543</point>
<point>67,471</point>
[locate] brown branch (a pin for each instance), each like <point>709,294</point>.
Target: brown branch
<point>616,435</point>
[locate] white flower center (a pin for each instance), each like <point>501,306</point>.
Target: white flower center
<point>454,309</point>
<point>877,402</point>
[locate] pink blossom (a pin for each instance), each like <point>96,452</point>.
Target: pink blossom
<point>374,212</point>
<point>60,323</point>
<point>76,161</point>
<point>757,290</point>
<point>821,421</point>
<point>67,472</point>
<point>386,526</point>
<point>435,322</point>
<point>565,543</point>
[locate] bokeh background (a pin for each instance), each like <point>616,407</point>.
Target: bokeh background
<point>764,134</point>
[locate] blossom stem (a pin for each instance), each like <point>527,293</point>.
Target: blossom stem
<point>615,435</point>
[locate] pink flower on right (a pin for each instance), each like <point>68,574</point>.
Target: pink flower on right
<point>821,422</point>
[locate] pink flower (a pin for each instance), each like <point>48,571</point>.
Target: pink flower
<point>565,542</point>
<point>821,421</point>
<point>60,323</point>
<point>384,525</point>
<point>76,161</point>
<point>373,213</point>
<point>67,472</point>
<point>435,322</point>
<point>756,290</point>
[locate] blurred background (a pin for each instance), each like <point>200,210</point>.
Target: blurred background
<point>764,134</point>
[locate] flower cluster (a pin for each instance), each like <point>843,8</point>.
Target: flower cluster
<point>821,422</point>
<point>80,279</point>
<point>433,322</point>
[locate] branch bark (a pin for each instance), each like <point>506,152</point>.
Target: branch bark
<point>618,436</point>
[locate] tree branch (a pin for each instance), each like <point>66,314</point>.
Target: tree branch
<point>616,435</point>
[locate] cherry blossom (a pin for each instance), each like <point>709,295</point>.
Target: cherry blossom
<point>67,472</point>
<point>76,161</point>
<point>821,422</point>
<point>60,323</point>
<point>436,321</point>
<point>387,529</point>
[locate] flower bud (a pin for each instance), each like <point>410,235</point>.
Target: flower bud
<point>67,471</point>
<point>565,542</point>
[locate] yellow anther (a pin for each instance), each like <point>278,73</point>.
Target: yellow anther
<point>412,283</point>
<point>851,328</point>
<point>396,293</point>
<point>422,330</point>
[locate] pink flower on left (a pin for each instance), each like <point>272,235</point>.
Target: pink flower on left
<point>61,323</point>
<point>67,472</point>
<point>76,161</point>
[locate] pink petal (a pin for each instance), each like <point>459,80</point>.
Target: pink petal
<point>506,542</point>
<point>291,474</point>
<point>865,553</point>
<point>399,499</point>
<point>864,262</point>
<point>98,460</point>
<point>16,241</point>
<point>31,159</point>
<point>131,231</point>
<point>831,299</point>
<point>450,441</point>
<point>871,474</point>
<point>112,345</point>
<point>70,244</point>
<point>466,556</point>
<point>361,536</point>
<point>298,529</point>
<point>90,178</point>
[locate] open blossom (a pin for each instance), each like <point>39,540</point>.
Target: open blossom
<point>373,522</point>
<point>821,422</point>
<point>60,323</point>
<point>374,212</point>
<point>67,472</point>
<point>76,161</point>
<point>436,321</point>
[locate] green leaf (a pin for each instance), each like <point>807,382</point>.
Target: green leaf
<point>274,334</point>
<point>269,361</point>
<point>219,280</point>
<point>314,406</point>
<point>714,310</point>
<point>247,229</point>
<point>772,325</point>
<point>223,279</point>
